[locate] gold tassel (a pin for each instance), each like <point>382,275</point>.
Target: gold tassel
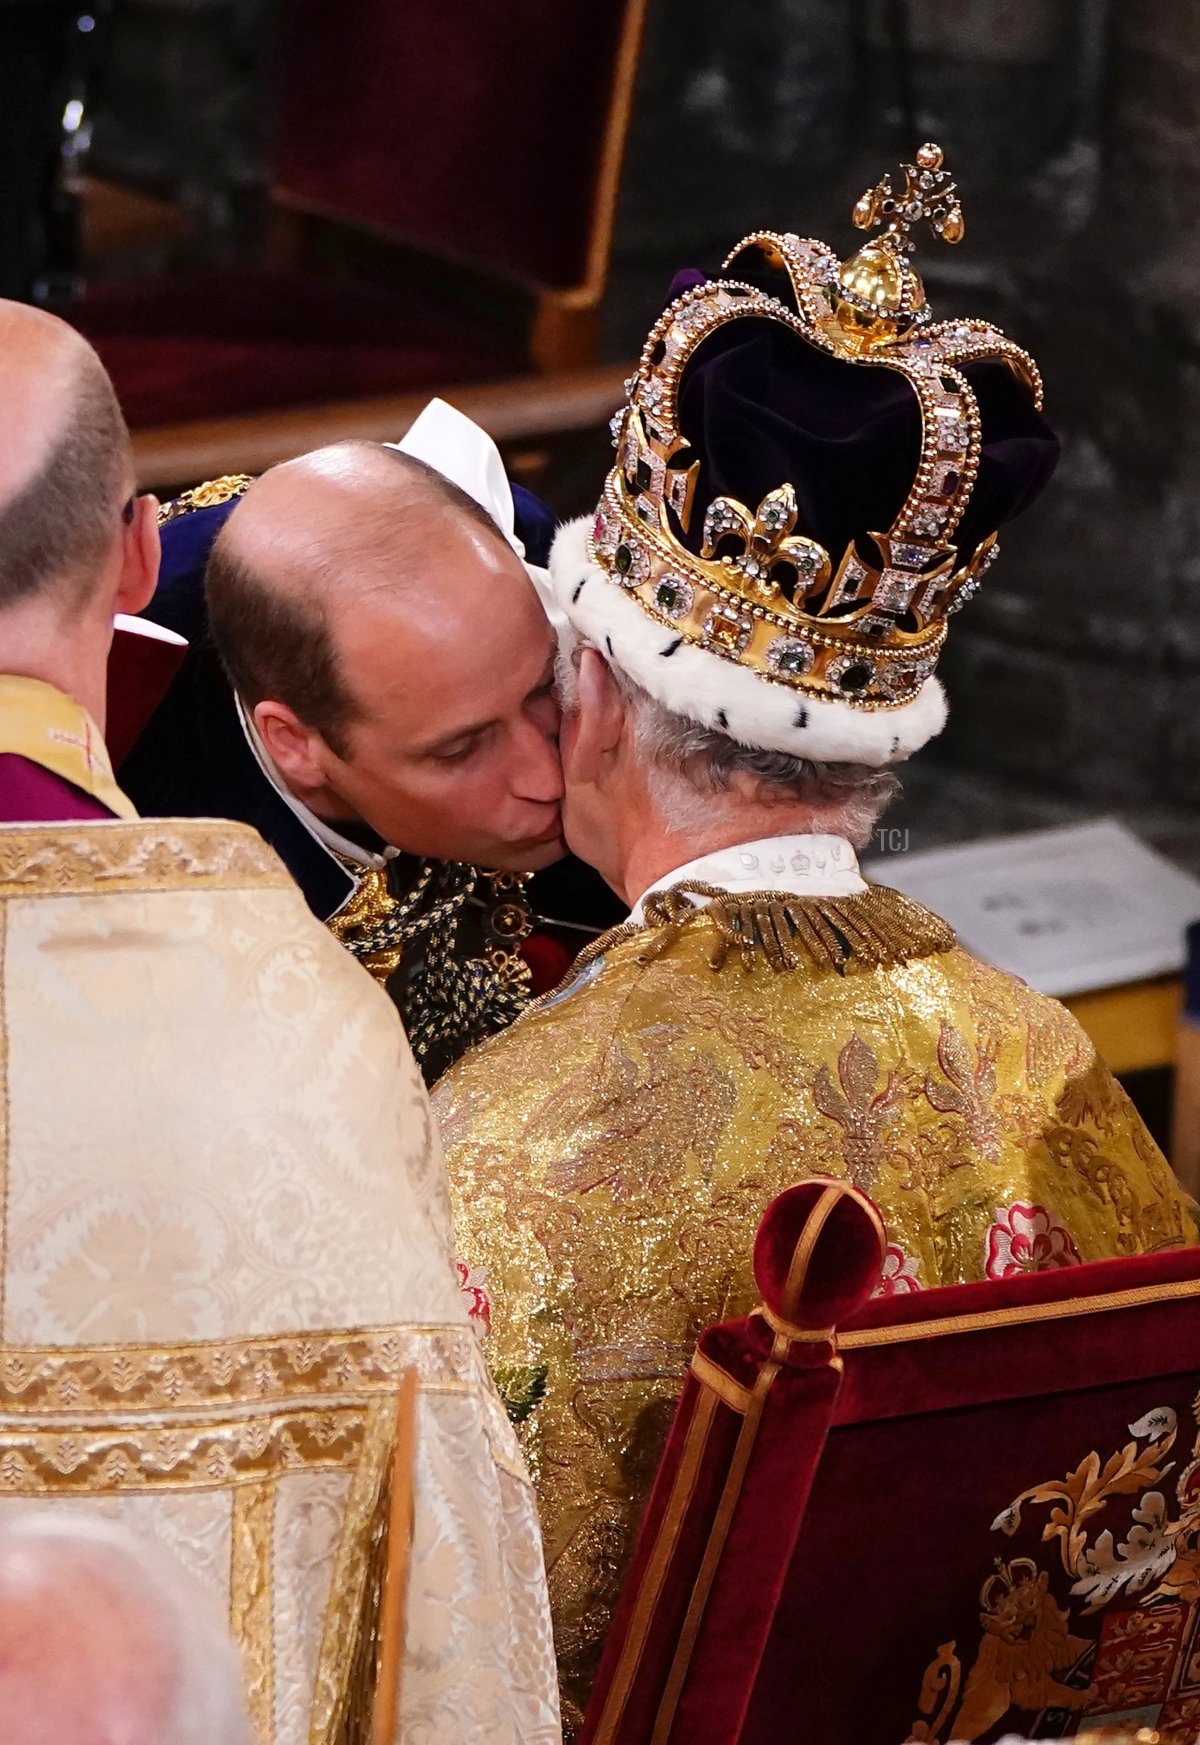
<point>873,928</point>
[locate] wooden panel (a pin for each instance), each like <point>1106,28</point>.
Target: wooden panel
<point>171,457</point>
<point>1133,1027</point>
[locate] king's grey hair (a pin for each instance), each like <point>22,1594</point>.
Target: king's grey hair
<point>691,767</point>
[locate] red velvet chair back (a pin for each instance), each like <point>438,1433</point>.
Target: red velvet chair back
<point>489,133</point>
<point>971,1512</point>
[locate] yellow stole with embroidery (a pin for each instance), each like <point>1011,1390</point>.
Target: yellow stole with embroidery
<point>43,724</point>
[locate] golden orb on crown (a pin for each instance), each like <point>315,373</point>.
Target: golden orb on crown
<point>877,297</point>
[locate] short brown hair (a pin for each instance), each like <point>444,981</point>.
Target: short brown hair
<point>56,530</point>
<point>276,643</point>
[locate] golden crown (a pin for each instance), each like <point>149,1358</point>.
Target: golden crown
<point>863,629</point>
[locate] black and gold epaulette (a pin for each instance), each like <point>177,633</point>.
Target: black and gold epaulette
<point>206,496</point>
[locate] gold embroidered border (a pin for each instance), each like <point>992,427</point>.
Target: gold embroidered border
<point>251,1589</point>
<point>387,1685</point>
<point>351,1614</point>
<point>210,1455</point>
<point>61,860</point>
<point>718,1381</point>
<point>1020,1316</point>
<point>188,1377</point>
<point>5,1112</point>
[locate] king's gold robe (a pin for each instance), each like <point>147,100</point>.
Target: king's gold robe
<point>611,1154</point>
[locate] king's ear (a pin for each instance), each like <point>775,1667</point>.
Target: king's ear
<point>599,726</point>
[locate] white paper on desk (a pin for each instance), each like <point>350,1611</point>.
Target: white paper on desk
<point>1086,906</point>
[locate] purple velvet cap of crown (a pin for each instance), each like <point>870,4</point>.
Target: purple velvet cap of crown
<point>761,407</point>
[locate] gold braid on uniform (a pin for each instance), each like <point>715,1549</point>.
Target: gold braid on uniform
<point>469,998</point>
<point>451,998</point>
<point>205,496</point>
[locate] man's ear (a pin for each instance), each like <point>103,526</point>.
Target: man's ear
<point>294,748</point>
<point>141,550</point>
<point>597,731</point>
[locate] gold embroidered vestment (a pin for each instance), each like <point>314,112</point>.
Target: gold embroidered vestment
<point>224,1242</point>
<point>611,1154</point>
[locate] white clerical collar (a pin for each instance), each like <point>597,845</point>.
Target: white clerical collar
<point>324,833</point>
<point>807,866</point>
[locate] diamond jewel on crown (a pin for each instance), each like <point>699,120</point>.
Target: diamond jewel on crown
<point>894,590</point>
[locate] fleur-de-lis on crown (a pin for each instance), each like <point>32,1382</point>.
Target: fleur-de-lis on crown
<point>762,544</point>
<point>930,193</point>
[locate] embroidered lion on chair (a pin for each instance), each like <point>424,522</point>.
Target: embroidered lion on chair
<point>1026,1642</point>
<point>1143,1668</point>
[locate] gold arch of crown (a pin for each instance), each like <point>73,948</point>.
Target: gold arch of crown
<point>863,631</point>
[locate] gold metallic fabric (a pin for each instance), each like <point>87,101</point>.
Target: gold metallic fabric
<point>612,1153</point>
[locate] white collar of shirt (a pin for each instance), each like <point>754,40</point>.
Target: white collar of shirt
<point>325,834</point>
<point>805,866</point>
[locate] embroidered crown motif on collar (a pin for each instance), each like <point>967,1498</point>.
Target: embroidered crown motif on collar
<point>865,625</point>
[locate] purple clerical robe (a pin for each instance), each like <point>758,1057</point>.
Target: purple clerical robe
<point>30,794</point>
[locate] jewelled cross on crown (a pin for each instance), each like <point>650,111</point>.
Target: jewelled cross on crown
<point>930,194</point>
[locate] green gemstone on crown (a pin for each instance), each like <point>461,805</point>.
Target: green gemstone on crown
<point>666,595</point>
<point>623,559</point>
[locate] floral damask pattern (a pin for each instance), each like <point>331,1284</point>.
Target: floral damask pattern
<point>226,1232</point>
<point>864,1103</point>
<point>472,1283</point>
<point>965,1085</point>
<point>1026,1239</point>
<point>899,1274</point>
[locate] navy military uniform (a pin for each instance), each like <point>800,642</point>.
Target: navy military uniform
<point>193,760</point>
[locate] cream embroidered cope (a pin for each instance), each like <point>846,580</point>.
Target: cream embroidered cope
<point>225,1236</point>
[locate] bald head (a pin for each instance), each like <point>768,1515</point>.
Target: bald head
<point>105,1641</point>
<point>344,517</point>
<point>306,542</point>
<point>65,463</point>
